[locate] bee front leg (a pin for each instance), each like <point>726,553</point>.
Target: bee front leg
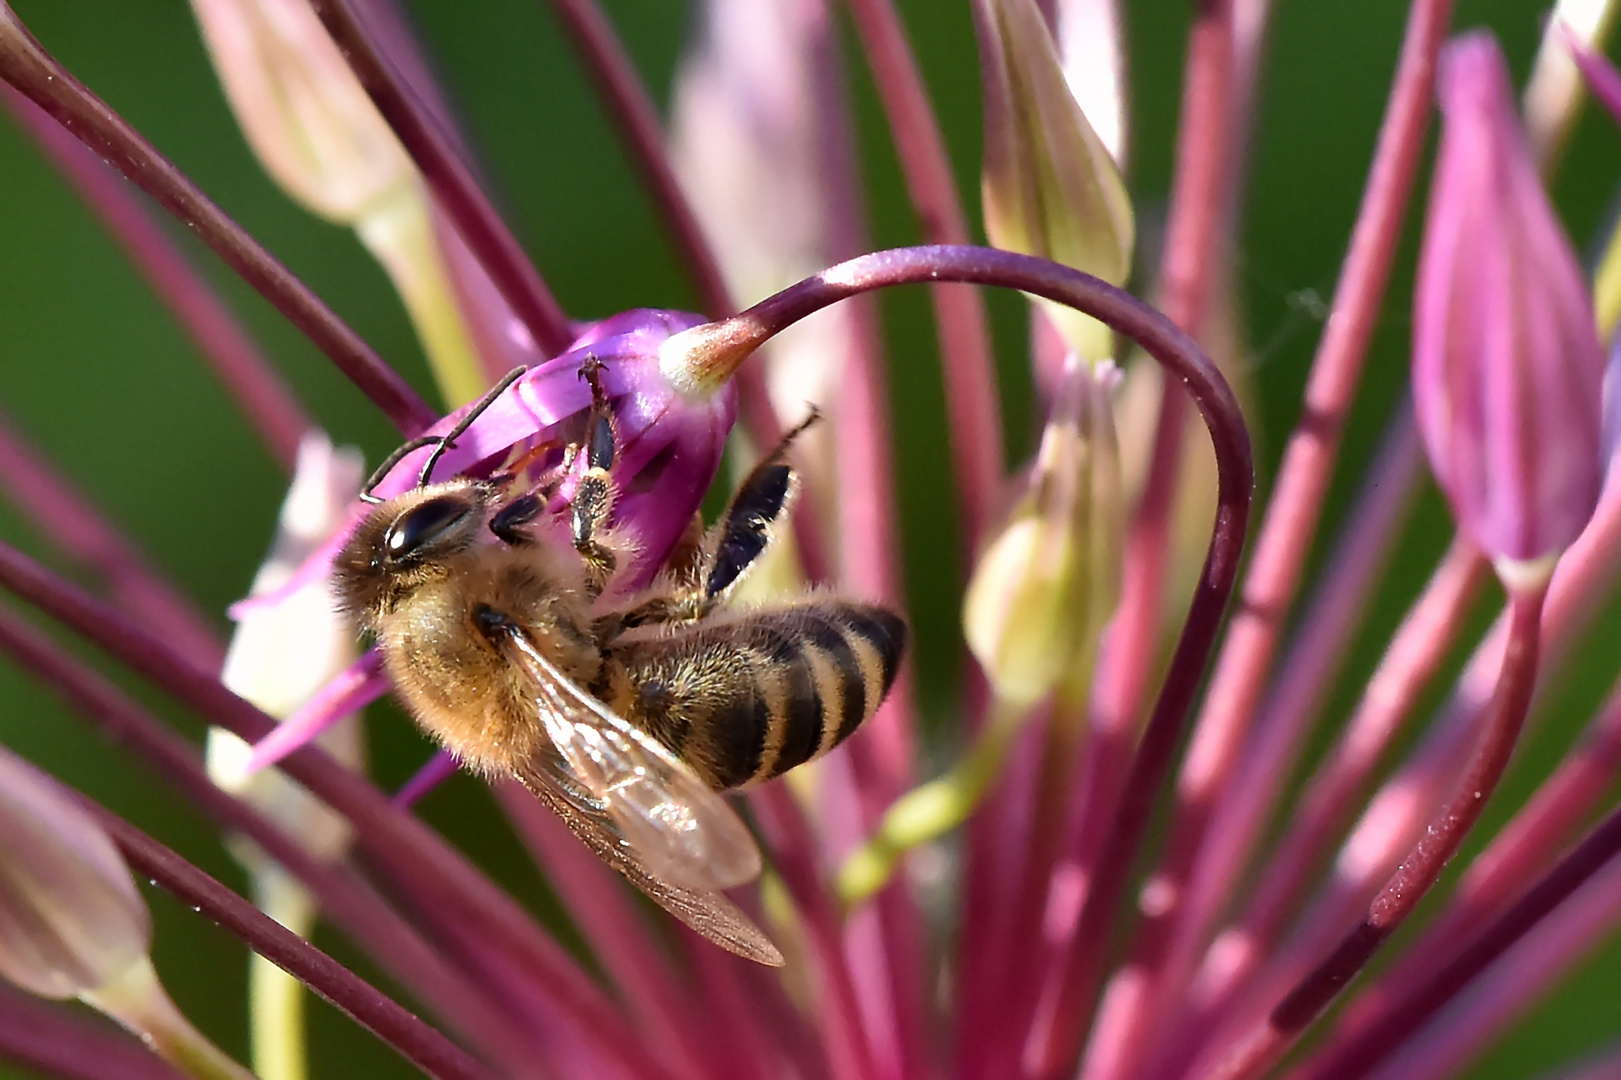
<point>507,523</point>
<point>594,495</point>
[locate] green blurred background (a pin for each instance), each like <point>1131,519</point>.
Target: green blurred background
<point>94,370</point>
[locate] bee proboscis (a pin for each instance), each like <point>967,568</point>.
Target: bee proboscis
<point>625,715</point>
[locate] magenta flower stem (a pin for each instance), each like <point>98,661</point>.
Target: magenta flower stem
<point>262,395</point>
<point>883,944</point>
<point>987,887</point>
<point>1100,778</point>
<point>363,1003</point>
<point>1295,701</point>
<point>838,1011</point>
<point>1416,651</point>
<point>1404,1013</point>
<point>973,410</point>
<point>1421,644</point>
<point>1605,1064</point>
<point>1286,531</point>
<point>451,181</point>
<point>526,992</point>
<point>869,545</point>
<point>1184,363</point>
<point>26,65</point>
<point>75,529</point>
<point>1261,1046</point>
<point>1118,309</point>
<point>1039,832</point>
<point>598,47</point>
<point>1582,583</point>
<point>738,1033</point>
<point>791,1031</point>
<point>633,112</point>
<point>62,1041</point>
<point>413,858</point>
<point>1194,236</point>
<point>350,905</point>
<point>1510,987</point>
<point>618,935</point>
<point>1193,240</point>
<point>1525,848</point>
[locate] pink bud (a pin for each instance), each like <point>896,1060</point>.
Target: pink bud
<point>71,919</point>
<point>1507,368</point>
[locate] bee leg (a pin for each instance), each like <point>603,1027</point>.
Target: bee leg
<point>594,496</point>
<point>745,529</point>
<point>507,522</point>
<point>674,597</point>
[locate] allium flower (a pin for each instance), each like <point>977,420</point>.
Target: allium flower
<point>1127,814</point>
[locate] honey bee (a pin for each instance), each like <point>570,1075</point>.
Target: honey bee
<point>625,715</point>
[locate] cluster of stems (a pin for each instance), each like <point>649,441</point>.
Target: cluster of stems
<point>1083,939</point>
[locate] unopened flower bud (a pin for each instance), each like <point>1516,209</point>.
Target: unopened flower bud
<point>71,919</point>
<point>1049,186</point>
<point>1507,367</point>
<point>319,136</point>
<point>301,107</point>
<point>1092,50</point>
<point>1553,93</point>
<point>1048,581</point>
<point>281,655</point>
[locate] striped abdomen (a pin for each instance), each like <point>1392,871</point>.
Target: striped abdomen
<point>747,698</point>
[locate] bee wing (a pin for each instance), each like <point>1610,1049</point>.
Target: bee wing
<point>679,829</point>
<point>707,912</point>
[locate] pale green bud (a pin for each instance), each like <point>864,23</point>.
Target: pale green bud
<point>1049,579</point>
<point>1049,185</point>
<point>1554,92</point>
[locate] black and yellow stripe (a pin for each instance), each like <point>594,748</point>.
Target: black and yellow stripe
<point>746,699</point>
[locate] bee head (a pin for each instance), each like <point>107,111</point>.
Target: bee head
<point>406,541</point>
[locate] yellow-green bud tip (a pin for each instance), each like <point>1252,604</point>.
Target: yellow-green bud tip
<point>700,360</point>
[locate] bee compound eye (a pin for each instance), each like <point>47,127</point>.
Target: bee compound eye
<point>425,525</point>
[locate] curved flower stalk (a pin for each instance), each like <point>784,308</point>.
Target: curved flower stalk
<point>1156,885</point>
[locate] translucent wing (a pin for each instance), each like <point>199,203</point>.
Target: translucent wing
<point>677,829</point>
<point>709,913</point>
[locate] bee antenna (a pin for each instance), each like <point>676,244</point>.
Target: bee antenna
<point>796,431</point>
<point>449,439</point>
<point>440,443</point>
<point>392,460</point>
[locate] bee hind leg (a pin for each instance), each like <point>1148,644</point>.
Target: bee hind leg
<point>746,528</point>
